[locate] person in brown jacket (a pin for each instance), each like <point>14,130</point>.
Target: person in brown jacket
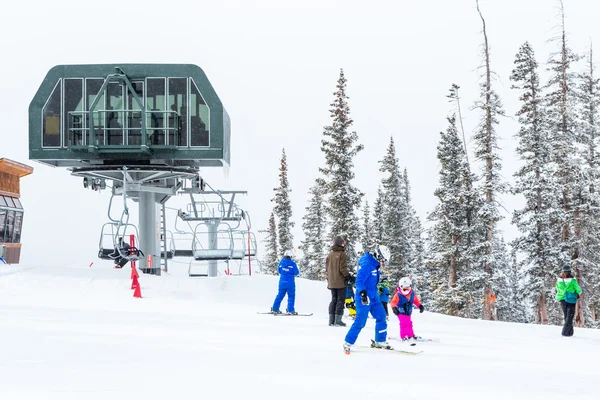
<point>338,274</point>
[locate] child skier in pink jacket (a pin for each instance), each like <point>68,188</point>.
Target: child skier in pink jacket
<point>402,305</point>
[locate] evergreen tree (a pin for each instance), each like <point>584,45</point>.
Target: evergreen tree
<point>486,141</point>
<point>395,234</point>
<point>368,231</point>
<point>378,218</point>
<point>560,108</point>
<point>340,147</point>
<point>507,280</point>
<point>314,245</point>
<point>560,103</point>
<point>587,221</point>
<point>283,208</point>
<point>271,260</point>
<point>534,181</point>
<point>449,241</point>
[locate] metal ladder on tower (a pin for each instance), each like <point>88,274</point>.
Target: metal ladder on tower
<point>163,242</point>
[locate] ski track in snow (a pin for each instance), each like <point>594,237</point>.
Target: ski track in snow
<point>77,333</point>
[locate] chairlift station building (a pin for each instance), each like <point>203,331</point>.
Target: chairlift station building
<point>145,127</point>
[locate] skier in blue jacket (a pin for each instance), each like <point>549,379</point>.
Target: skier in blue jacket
<point>367,299</point>
<point>288,270</point>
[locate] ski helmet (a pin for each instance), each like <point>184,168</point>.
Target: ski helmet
<point>404,282</point>
<point>288,253</point>
<point>382,253</point>
<point>383,278</point>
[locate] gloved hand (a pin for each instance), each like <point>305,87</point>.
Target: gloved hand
<point>380,290</point>
<point>421,308</point>
<point>395,310</point>
<point>363,298</point>
<point>349,280</point>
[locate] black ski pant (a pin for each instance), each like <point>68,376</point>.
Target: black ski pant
<point>384,304</point>
<point>569,312</point>
<point>338,297</point>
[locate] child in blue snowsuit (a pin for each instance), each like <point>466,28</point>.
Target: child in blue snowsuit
<point>384,292</point>
<point>288,270</point>
<point>367,299</point>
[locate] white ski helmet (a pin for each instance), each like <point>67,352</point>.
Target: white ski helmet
<point>404,282</point>
<point>382,253</point>
<point>289,253</point>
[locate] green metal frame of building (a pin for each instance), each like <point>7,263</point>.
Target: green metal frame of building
<point>71,117</point>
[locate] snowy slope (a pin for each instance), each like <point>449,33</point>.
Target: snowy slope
<point>77,333</point>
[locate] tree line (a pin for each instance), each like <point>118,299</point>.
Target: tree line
<point>460,264</point>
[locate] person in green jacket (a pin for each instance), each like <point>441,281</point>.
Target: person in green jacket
<point>567,292</point>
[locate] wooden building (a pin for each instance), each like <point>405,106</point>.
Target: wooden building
<point>11,210</point>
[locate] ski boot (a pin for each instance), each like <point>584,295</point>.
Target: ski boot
<point>381,345</point>
<point>275,311</point>
<point>291,312</point>
<point>409,341</point>
<point>347,347</point>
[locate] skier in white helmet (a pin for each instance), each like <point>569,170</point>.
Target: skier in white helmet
<point>367,299</point>
<point>402,305</point>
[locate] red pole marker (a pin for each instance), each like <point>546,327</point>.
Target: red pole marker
<point>92,263</point>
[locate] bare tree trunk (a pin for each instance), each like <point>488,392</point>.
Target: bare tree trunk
<point>452,278</point>
<point>489,169</point>
<point>541,312</point>
<point>579,307</point>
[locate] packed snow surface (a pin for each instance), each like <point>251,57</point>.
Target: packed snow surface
<point>78,333</point>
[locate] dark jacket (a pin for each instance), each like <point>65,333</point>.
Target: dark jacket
<point>336,267</point>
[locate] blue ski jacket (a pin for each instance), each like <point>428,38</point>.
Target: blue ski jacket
<point>287,271</point>
<point>385,296</point>
<point>368,277</point>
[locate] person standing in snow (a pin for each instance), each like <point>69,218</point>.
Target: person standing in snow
<point>288,270</point>
<point>367,299</point>
<point>338,277</point>
<point>402,305</point>
<point>350,305</point>
<point>384,293</point>
<point>567,292</point>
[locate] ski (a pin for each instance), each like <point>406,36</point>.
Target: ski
<point>285,314</point>
<point>411,353</point>
<point>419,339</point>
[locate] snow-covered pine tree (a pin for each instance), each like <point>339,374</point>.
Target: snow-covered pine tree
<point>508,281</point>
<point>367,239</point>
<point>486,142</point>
<point>340,147</point>
<point>314,247</point>
<point>271,259</point>
<point>560,107</point>
<point>283,208</point>
<point>414,245</point>
<point>378,216</point>
<point>535,182</point>
<point>395,230</point>
<point>449,239</point>
<point>587,223</point>
<point>560,103</point>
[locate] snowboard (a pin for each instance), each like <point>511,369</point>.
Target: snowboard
<point>286,314</point>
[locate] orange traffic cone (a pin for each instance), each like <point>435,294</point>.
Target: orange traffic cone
<point>134,272</point>
<point>137,293</point>
<point>135,282</point>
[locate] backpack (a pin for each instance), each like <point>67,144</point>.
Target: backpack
<point>570,297</point>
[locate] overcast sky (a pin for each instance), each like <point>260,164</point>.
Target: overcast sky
<point>274,64</point>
